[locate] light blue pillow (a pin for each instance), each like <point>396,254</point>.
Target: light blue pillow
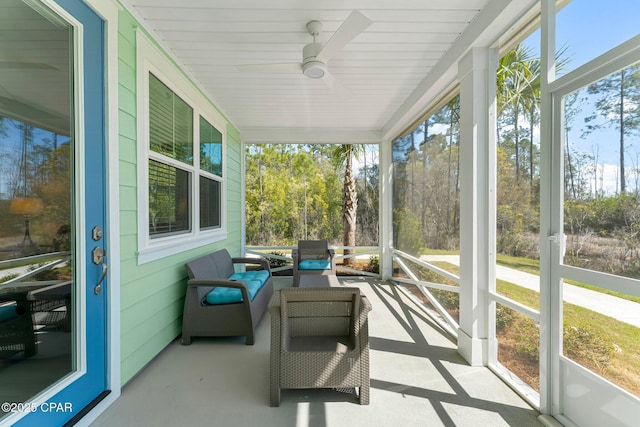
<point>314,264</point>
<point>254,280</point>
<point>8,312</point>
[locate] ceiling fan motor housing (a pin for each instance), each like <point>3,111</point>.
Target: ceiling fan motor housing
<point>311,67</point>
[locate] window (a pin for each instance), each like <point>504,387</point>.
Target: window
<point>209,203</point>
<point>588,29</point>
<point>211,162</point>
<point>210,148</point>
<point>170,123</point>
<point>168,199</point>
<point>171,153</point>
<point>171,135</point>
<point>181,168</point>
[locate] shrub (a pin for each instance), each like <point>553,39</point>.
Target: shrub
<point>527,338</point>
<point>504,317</point>
<point>277,262</point>
<point>8,277</point>
<point>448,300</point>
<point>374,264</point>
<point>584,345</point>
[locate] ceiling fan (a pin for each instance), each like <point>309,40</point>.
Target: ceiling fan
<point>316,55</point>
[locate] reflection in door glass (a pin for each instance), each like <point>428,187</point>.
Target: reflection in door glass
<point>36,205</point>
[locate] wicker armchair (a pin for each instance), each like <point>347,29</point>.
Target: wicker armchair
<point>312,257</point>
<point>319,339</point>
<point>16,330</point>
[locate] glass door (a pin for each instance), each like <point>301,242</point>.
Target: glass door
<point>52,211</point>
<point>595,273</point>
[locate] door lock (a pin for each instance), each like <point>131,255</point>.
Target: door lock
<point>97,255</point>
<point>96,233</point>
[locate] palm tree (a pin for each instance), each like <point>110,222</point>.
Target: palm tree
<point>343,155</point>
<point>517,72</point>
<point>518,86</point>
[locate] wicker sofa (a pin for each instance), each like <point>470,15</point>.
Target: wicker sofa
<point>319,339</point>
<point>222,302</point>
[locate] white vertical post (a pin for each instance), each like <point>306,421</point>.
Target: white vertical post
<point>474,206</point>
<point>386,209</point>
<point>492,183</point>
<point>550,221</point>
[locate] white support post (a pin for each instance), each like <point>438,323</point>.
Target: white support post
<point>386,209</point>
<point>475,250</point>
<point>550,225</point>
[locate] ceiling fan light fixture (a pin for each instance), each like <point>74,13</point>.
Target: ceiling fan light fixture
<point>314,69</point>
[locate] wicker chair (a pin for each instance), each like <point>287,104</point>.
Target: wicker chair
<point>312,257</point>
<point>319,339</point>
<point>16,330</point>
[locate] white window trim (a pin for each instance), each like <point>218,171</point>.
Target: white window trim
<point>151,60</point>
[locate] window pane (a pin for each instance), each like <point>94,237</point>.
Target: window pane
<point>209,203</point>
<point>426,185</point>
<point>170,123</point>
<point>601,222</point>
<point>602,174</point>
<point>168,199</point>
<point>518,339</point>
<point>601,332</point>
<point>588,28</point>
<point>210,148</point>
<point>426,219</point>
<point>518,174</point>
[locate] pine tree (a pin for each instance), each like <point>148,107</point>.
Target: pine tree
<point>617,106</point>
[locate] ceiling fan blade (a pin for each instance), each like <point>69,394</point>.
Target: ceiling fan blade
<point>336,87</point>
<point>355,23</point>
<point>285,67</point>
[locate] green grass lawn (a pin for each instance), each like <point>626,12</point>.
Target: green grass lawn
<point>624,367</point>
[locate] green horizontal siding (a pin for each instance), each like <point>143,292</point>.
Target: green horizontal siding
<point>152,294</point>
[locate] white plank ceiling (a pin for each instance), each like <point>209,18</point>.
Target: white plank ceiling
<point>390,71</point>
<point>381,68</point>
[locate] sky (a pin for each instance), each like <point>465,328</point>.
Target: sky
<point>589,28</point>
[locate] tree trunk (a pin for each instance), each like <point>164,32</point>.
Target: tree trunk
<point>622,181</point>
<point>349,210</point>
<point>531,174</point>
<point>569,165</point>
<point>516,138</point>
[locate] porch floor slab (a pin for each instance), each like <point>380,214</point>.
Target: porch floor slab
<point>417,379</point>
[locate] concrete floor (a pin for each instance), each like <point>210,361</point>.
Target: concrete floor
<point>417,379</point>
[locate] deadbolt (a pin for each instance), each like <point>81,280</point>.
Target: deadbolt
<point>96,233</point>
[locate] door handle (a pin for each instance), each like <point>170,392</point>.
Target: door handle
<point>98,259</point>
